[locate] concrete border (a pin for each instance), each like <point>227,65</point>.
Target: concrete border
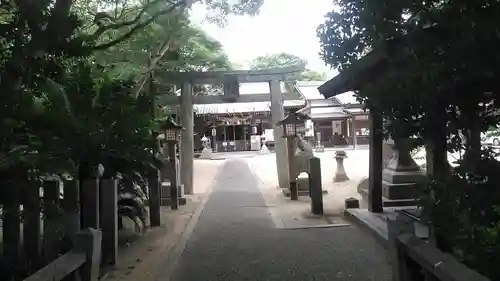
<point>378,234</point>
<point>334,225</point>
<point>176,253</point>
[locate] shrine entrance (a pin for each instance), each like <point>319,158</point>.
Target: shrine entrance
<point>231,81</point>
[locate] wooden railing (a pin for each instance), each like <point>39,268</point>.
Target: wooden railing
<point>81,262</point>
<point>414,259</point>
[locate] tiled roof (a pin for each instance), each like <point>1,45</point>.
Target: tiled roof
<point>310,89</point>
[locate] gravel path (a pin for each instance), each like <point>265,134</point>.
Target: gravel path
<point>236,240</point>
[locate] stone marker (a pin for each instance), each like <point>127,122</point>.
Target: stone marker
<point>315,186</point>
<point>351,203</point>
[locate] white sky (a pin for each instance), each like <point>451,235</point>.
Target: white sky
<point>282,26</point>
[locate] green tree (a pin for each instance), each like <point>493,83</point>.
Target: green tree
<point>313,75</point>
<point>286,60</point>
<point>276,60</point>
<point>430,73</point>
<point>194,50</point>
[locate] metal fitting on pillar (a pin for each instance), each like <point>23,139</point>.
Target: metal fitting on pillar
<point>340,174</point>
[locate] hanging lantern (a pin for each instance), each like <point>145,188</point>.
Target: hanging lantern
<point>171,130</point>
<point>293,124</point>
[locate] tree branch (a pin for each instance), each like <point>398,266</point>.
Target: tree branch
<point>152,64</point>
<point>135,21</point>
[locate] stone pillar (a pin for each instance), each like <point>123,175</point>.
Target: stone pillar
<point>187,141</point>
<point>278,114</point>
<point>401,174</point>
<point>375,172</point>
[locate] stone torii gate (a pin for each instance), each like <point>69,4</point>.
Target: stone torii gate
<point>231,81</point>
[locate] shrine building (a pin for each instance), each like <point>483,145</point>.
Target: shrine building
<point>240,126</point>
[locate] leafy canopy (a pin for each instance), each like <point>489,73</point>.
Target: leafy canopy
<point>286,60</point>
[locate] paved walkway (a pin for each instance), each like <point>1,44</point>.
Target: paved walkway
<point>235,239</point>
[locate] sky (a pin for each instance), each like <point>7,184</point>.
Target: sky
<point>281,26</point>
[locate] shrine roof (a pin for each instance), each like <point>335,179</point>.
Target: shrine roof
<point>309,89</point>
<point>241,107</point>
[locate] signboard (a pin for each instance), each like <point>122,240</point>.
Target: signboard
<point>310,128</point>
<point>254,130</point>
<point>361,117</point>
<point>214,131</point>
<point>231,143</point>
<point>269,134</point>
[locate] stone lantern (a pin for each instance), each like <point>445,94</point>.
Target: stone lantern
<point>340,174</point>
<point>206,153</point>
<point>171,136</point>
<point>293,125</point>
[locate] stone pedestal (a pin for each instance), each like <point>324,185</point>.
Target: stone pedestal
<point>401,174</point>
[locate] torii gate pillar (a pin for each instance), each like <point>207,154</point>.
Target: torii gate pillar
<point>187,141</point>
<point>278,114</point>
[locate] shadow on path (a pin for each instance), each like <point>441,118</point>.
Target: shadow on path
<point>235,239</point>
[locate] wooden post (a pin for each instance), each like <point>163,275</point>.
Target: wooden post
<point>315,186</point>
<point>154,198</point>
<point>90,203</point>
<point>11,228</point>
<point>89,241</point>
<point>174,185</point>
<point>214,137</point>
<point>353,132</point>
<point>70,206</point>
<point>31,226</point>
<point>244,128</point>
<point>51,221</point>
<point>109,220</point>
<point>225,137</point>
<point>294,191</point>
<point>375,169</point>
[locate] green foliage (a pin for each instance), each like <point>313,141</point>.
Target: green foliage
<point>466,216</point>
<point>428,67</point>
<point>312,75</point>
<point>421,41</point>
<point>276,61</point>
<point>281,60</point>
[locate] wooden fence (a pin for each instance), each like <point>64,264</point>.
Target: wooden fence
<point>39,224</point>
<point>414,259</point>
<point>80,263</point>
